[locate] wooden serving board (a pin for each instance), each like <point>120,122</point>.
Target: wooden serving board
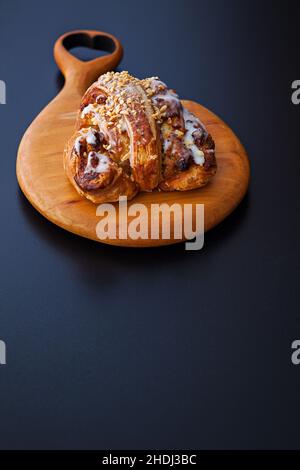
<point>40,168</point>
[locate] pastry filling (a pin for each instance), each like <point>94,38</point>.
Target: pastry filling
<point>96,163</point>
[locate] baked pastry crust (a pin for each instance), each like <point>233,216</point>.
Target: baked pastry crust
<point>134,135</point>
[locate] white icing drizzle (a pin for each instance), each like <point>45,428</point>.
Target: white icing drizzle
<point>165,137</point>
<point>91,138</point>
<point>190,122</point>
<point>123,125</point>
<point>166,144</point>
<point>156,82</point>
<point>167,97</point>
<point>88,109</point>
<point>102,166</point>
<point>77,145</point>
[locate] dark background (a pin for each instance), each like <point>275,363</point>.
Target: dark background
<point>162,348</point>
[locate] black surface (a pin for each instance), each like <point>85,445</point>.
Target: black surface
<point>162,348</point>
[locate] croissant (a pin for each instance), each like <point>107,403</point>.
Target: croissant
<point>134,135</point>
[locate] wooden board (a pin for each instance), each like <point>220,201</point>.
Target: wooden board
<point>40,169</point>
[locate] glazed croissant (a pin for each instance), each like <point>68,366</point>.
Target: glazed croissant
<point>134,135</point>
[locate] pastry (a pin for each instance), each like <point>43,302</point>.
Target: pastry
<point>134,135</point>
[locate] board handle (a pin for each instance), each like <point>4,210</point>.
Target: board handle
<point>79,74</point>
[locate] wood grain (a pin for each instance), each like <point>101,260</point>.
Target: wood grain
<point>40,170</point>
